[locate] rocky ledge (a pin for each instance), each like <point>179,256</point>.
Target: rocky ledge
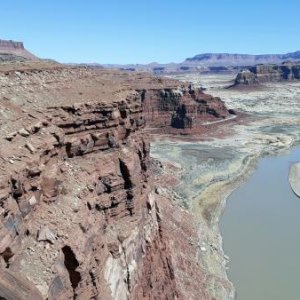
<point>268,73</point>
<point>80,212</point>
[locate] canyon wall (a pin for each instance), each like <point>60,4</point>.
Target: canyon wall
<point>80,212</point>
<point>268,73</point>
<point>184,107</point>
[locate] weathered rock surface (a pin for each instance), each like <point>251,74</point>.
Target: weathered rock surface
<point>294,178</point>
<point>14,286</point>
<point>79,218</point>
<point>268,73</point>
<point>183,107</point>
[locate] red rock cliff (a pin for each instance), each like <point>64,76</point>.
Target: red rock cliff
<point>180,107</point>
<point>79,215</point>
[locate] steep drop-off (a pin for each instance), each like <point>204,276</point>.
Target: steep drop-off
<point>81,216</point>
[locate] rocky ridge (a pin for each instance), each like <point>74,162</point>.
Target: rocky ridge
<point>210,63</point>
<point>81,216</point>
<point>229,59</point>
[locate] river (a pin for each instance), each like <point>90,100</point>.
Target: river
<point>260,229</point>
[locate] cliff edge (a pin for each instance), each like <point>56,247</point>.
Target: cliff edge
<point>80,213</point>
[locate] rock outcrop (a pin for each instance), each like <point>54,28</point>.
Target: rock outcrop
<point>14,51</point>
<point>294,178</point>
<point>268,73</point>
<point>79,215</point>
<point>181,107</point>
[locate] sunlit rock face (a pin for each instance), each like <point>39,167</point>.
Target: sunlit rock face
<point>268,73</point>
<point>82,214</point>
<point>182,107</point>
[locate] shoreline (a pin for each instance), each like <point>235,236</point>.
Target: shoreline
<point>208,207</point>
<point>266,128</point>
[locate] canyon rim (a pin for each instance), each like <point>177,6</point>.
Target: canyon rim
<point>114,177</point>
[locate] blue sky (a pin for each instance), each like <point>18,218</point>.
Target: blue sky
<point>143,31</point>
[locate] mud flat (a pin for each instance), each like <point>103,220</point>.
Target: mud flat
<point>209,170</point>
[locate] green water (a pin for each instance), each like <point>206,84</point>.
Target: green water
<point>261,233</point>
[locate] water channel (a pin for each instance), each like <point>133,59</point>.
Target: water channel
<point>261,233</point>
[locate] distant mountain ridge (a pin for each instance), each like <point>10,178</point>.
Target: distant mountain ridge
<point>209,62</point>
<point>228,59</point>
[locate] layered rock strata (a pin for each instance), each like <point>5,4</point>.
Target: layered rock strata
<point>183,107</point>
<point>268,73</point>
<point>79,215</point>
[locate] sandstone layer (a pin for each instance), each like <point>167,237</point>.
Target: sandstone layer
<point>80,212</point>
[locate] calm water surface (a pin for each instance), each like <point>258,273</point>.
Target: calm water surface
<point>261,233</point>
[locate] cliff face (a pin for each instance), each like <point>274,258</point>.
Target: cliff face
<point>268,73</point>
<point>183,107</point>
<point>75,207</point>
<point>11,50</point>
<point>79,215</point>
<point>11,45</point>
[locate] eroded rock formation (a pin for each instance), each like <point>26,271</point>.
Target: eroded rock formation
<point>14,51</point>
<point>183,107</point>
<point>79,215</point>
<point>268,73</point>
